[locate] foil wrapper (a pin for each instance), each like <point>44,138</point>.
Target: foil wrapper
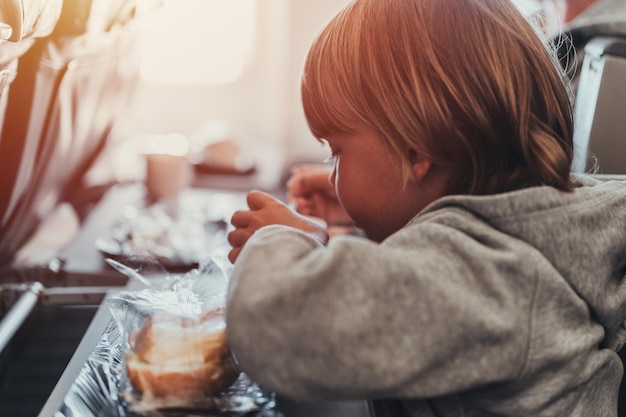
<point>102,388</point>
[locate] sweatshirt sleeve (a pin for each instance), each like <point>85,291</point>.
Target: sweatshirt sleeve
<point>430,311</point>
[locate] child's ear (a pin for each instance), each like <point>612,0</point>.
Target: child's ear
<point>419,165</point>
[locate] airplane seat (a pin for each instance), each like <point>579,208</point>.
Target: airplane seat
<point>600,108</point>
<point>21,23</point>
<point>600,123</point>
<point>70,88</point>
<point>9,54</point>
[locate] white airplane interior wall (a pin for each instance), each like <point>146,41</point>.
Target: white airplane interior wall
<point>259,104</point>
<point>260,107</point>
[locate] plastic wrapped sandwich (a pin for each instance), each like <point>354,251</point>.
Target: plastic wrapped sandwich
<point>175,355</point>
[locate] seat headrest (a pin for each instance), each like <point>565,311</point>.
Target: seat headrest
<point>12,14</point>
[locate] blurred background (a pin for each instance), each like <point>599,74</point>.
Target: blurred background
<point>89,87</point>
<point>211,68</point>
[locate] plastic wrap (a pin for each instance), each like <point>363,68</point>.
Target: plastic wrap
<point>103,387</point>
<point>178,237</point>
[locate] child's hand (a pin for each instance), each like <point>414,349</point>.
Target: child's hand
<point>312,194</point>
<point>266,210</point>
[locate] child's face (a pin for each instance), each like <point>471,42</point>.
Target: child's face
<point>368,180</point>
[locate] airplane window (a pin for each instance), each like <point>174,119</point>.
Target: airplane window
<point>198,41</point>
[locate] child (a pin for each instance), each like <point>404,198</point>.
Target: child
<point>490,282</point>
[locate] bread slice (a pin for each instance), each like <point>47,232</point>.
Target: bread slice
<point>176,357</point>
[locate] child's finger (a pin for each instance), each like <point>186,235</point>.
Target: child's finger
<point>240,218</point>
<point>237,238</point>
<point>233,254</point>
<point>258,199</point>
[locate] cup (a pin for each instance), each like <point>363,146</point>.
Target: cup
<point>166,176</point>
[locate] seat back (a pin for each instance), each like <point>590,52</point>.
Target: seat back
<point>70,88</point>
<point>22,23</point>
<point>600,129</point>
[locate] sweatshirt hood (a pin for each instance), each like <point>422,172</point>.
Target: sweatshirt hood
<point>582,233</point>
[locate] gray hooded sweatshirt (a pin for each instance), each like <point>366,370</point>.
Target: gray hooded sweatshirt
<point>504,305</point>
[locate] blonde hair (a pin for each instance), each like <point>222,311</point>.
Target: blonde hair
<point>468,84</point>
